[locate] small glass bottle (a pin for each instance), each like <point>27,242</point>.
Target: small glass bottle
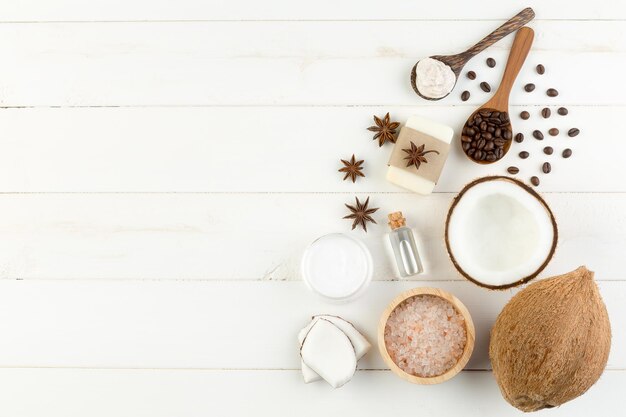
<point>404,247</point>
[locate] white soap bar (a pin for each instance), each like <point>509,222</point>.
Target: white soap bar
<point>411,181</point>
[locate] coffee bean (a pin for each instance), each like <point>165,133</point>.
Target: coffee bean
<point>529,87</point>
<point>465,95</point>
<point>512,170</point>
<point>485,134</point>
<point>485,86</point>
<point>553,131</point>
<point>546,112</point>
<point>471,75</point>
<point>573,132</point>
<point>541,69</point>
<point>491,62</point>
<point>562,111</point>
<point>548,150</point>
<point>524,154</point>
<point>567,153</point>
<point>519,138</point>
<point>546,167</point>
<point>534,181</point>
<point>524,115</point>
<point>537,135</point>
<point>552,92</point>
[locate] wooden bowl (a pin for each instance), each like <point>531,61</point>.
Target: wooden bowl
<point>469,328</point>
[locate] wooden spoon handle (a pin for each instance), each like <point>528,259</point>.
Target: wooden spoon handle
<point>517,56</point>
<point>513,24</point>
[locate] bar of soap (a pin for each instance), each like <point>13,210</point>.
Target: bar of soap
<point>411,179</point>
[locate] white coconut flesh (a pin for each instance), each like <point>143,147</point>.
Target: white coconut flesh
<point>328,351</point>
<point>360,344</point>
<point>499,233</point>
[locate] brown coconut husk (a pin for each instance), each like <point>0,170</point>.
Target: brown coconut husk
<point>551,342</point>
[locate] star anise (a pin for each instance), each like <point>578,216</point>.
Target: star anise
<point>417,155</point>
<point>361,214</point>
<point>385,130</point>
<point>352,168</point>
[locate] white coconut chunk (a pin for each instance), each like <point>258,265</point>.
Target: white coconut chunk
<point>499,233</point>
<point>328,351</point>
<point>308,374</point>
<point>359,342</point>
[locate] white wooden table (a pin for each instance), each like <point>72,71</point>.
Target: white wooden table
<point>163,165</point>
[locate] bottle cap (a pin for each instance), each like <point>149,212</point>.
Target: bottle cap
<point>396,220</point>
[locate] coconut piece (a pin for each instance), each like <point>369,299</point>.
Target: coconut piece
<point>328,351</point>
<point>500,233</point>
<point>359,342</point>
<point>551,342</point>
<point>308,374</point>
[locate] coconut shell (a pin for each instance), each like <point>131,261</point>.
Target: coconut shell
<point>551,342</point>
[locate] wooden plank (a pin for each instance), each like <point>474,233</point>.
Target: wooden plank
<point>256,63</point>
<point>255,236</point>
<point>272,149</point>
<point>212,325</point>
<point>164,393</point>
<point>101,10</point>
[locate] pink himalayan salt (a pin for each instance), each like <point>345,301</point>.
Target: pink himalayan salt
<point>425,335</point>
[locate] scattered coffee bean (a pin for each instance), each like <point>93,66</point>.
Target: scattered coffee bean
<point>524,115</point>
<point>519,138</point>
<point>485,86</point>
<point>529,87</point>
<point>524,154</point>
<point>471,75</point>
<point>512,170</point>
<point>562,111</point>
<point>465,95</point>
<point>546,112</point>
<point>485,134</point>
<point>553,131</point>
<point>551,92</point>
<point>546,167</point>
<point>567,153</point>
<point>573,132</point>
<point>534,181</point>
<point>548,150</point>
<point>541,69</point>
<point>537,135</point>
<point>491,62</point>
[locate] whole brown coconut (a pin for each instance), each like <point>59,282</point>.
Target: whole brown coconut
<point>551,342</point>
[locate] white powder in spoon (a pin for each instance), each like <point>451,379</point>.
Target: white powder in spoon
<point>433,78</point>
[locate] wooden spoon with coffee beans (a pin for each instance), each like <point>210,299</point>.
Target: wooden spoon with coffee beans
<point>458,61</point>
<point>487,135</point>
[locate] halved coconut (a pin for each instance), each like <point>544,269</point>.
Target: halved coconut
<point>500,233</point>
